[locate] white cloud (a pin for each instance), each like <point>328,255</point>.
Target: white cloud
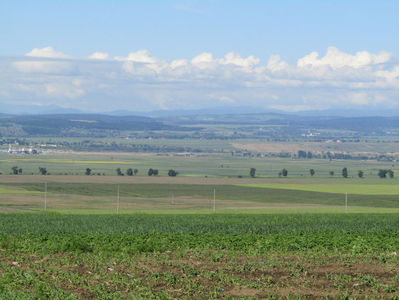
<point>359,98</point>
<point>142,81</point>
<point>202,58</point>
<point>236,59</point>
<point>335,59</point>
<point>99,55</point>
<point>55,67</point>
<point>275,63</point>
<point>47,52</point>
<point>389,75</point>
<point>178,63</point>
<point>141,56</point>
<point>296,108</point>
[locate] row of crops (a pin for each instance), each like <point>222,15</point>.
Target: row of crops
<point>50,233</point>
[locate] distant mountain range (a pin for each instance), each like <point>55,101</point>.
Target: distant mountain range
<point>222,110</point>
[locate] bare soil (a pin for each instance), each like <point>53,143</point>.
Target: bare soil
<point>212,274</point>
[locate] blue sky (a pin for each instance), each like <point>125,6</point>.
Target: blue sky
<point>181,30</point>
<point>175,29</point>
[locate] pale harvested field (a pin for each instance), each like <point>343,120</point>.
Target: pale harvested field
<point>65,202</point>
<point>319,147</point>
<point>280,147</point>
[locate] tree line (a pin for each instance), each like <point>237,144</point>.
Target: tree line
<point>382,173</point>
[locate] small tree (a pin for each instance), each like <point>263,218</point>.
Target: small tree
<point>360,174</point>
<point>312,172</point>
<point>150,172</point>
<point>155,172</point>
<point>119,172</point>
<point>252,172</point>
<point>331,173</point>
<point>42,171</point>
<point>390,174</point>
<point>172,173</point>
<point>20,171</point>
<point>14,170</point>
<point>284,172</point>
<point>382,173</point>
<point>88,171</point>
<point>345,172</point>
<point>129,172</point>
<point>135,171</point>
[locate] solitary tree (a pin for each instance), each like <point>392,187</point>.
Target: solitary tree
<point>14,170</point>
<point>42,171</point>
<point>135,171</point>
<point>301,154</point>
<point>155,172</point>
<point>345,172</point>
<point>252,172</point>
<point>360,174</point>
<point>129,172</point>
<point>312,172</point>
<point>150,172</point>
<point>88,171</point>
<point>284,172</point>
<point>119,172</point>
<point>172,173</point>
<point>382,173</point>
<point>331,173</point>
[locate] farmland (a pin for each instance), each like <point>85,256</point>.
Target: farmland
<point>211,232</point>
<point>204,256</point>
<point>198,165</point>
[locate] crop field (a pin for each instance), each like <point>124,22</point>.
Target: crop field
<point>211,232</point>
<point>359,189</point>
<point>168,194</point>
<point>179,256</point>
<point>198,165</point>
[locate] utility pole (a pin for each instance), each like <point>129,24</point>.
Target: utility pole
<point>214,200</point>
<point>117,200</point>
<point>45,196</point>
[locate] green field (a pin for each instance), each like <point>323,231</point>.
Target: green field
<point>26,192</point>
<point>102,197</point>
<point>210,233</point>
<point>65,161</point>
<point>200,165</point>
<point>359,189</point>
<point>198,256</point>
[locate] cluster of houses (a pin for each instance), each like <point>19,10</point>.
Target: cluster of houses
<point>20,150</point>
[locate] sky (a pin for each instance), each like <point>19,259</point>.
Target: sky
<point>149,55</point>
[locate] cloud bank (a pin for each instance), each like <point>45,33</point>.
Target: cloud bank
<point>140,81</point>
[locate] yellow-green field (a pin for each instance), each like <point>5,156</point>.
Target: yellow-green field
<point>67,161</point>
<point>359,189</point>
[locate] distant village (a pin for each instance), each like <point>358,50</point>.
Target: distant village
<point>21,150</point>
